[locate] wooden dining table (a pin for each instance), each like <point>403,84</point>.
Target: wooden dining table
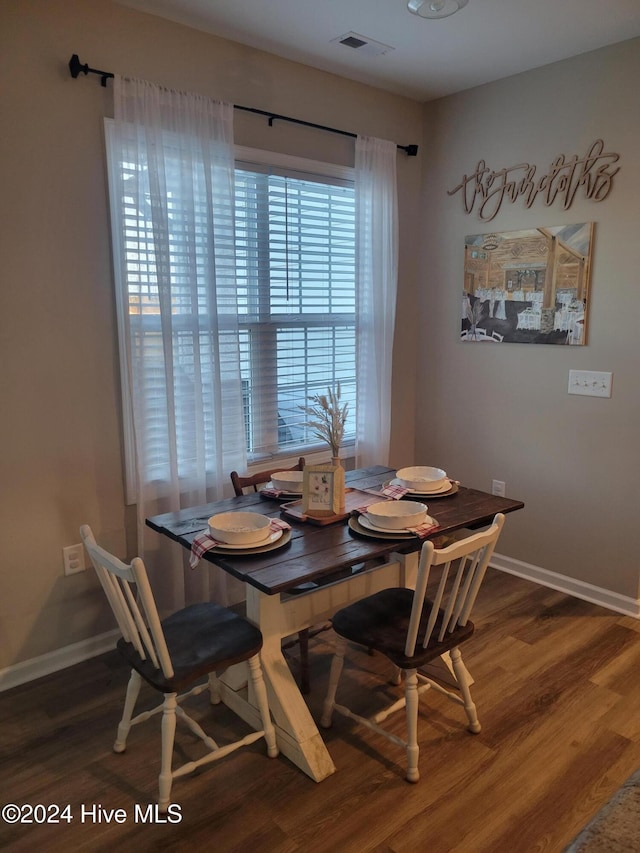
<point>313,571</point>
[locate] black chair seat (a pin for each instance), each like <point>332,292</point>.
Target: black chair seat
<point>381,622</point>
<point>201,638</point>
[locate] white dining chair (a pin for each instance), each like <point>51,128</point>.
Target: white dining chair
<point>170,655</point>
<point>412,630</point>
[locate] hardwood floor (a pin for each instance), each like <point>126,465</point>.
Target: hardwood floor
<point>557,689</point>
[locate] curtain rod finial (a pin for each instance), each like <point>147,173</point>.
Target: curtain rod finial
<point>75,66</point>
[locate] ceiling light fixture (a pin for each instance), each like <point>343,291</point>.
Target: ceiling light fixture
<point>435,8</point>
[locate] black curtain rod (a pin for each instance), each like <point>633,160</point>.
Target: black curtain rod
<point>76,68</point>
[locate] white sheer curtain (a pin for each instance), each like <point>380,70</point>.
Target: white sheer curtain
<point>377,278</point>
<point>171,169</point>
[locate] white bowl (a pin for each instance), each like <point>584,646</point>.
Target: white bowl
<point>397,515</point>
<point>422,478</point>
<point>239,528</point>
<point>287,481</point>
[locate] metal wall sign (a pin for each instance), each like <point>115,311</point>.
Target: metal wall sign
<point>591,175</point>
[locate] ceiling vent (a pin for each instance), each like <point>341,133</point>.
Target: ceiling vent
<point>363,44</point>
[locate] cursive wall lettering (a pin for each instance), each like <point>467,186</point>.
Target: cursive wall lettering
<point>487,189</point>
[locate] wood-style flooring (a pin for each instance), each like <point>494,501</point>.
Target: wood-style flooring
<point>557,689</point>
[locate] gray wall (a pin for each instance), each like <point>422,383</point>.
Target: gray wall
<point>503,412</point>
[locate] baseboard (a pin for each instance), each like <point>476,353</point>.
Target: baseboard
<point>29,670</point>
<point>571,586</point>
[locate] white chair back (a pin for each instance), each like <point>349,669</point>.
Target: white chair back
<point>144,632</point>
<point>457,588</point>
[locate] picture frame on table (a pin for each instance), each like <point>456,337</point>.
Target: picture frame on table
<point>322,495</point>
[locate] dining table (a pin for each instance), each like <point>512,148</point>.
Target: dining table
<point>312,570</point>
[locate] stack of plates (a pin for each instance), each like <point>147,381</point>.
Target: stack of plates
<point>271,539</point>
<point>423,480</point>
<point>425,493</point>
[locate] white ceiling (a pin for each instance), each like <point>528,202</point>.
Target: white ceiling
<point>487,40</point>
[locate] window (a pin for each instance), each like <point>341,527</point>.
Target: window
<point>295,255</point>
<point>285,276</point>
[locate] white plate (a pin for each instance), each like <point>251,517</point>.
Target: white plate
<point>273,537</point>
<point>445,487</point>
<point>365,521</point>
<point>355,523</point>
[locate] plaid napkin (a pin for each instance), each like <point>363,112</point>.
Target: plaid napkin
<point>389,491</point>
<point>424,529</point>
<point>392,492</point>
<point>398,492</point>
<point>395,492</point>
<point>271,493</point>
<point>204,542</point>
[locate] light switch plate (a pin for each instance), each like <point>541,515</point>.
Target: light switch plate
<point>590,383</point>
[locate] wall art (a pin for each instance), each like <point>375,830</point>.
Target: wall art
<point>528,287</point>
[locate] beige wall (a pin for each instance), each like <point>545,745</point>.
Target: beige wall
<point>60,429</point>
<point>483,413</point>
<point>503,412</point>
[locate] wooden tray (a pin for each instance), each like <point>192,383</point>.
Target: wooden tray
<point>353,499</point>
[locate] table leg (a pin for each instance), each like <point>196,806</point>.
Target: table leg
<point>297,734</point>
<point>296,731</point>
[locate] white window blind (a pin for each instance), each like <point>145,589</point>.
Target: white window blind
<point>295,256</point>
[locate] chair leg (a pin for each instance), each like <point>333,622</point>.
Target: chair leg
<point>411,707</point>
<point>133,689</point>
<point>260,692</point>
<point>303,641</point>
<point>334,677</point>
<point>168,730</point>
<point>460,673</point>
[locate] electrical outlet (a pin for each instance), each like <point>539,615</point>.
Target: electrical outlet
<point>73,558</point>
<point>499,488</point>
<point>591,383</point>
